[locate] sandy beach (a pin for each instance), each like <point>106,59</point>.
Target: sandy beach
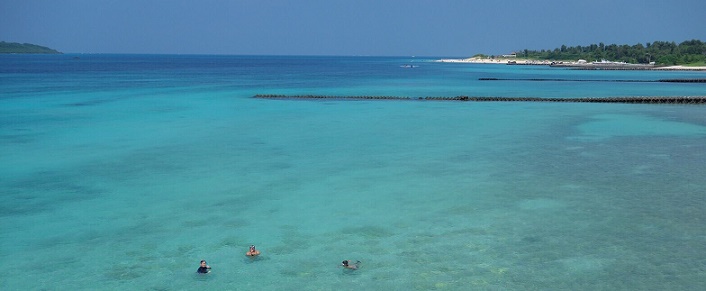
<point>682,68</point>
<point>514,61</point>
<point>500,61</point>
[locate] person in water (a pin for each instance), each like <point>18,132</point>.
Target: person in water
<point>252,252</point>
<point>204,268</point>
<point>346,264</point>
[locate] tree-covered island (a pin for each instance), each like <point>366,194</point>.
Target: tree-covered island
<point>24,48</point>
<point>690,52</point>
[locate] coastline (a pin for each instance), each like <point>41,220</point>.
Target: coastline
<point>682,68</point>
<point>575,65</point>
<point>498,61</point>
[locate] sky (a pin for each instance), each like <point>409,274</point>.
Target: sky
<point>344,27</point>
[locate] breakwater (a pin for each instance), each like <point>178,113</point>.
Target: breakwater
<point>631,68</point>
<point>596,80</point>
<point>634,100</point>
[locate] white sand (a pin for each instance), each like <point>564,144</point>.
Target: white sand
<point>501,61</point>
<point>683,68</point>
<point>504,61</point>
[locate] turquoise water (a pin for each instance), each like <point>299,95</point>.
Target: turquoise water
<point>121,172</point>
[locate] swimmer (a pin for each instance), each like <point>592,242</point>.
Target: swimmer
<point>252,252</point>
<point>347,265</point>
<point>204,268</point>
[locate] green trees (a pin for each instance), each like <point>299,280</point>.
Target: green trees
<point>660,52</point>
<point>24,48</point>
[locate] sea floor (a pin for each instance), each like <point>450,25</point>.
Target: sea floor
<point>132,193</point>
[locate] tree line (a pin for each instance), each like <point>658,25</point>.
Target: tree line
<point>660,52</point>
<point>24,48</point>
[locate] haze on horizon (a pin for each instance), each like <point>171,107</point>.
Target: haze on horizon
<point>340,27</point>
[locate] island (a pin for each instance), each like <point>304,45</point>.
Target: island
<point>686,55</point>
<point>25,48</point>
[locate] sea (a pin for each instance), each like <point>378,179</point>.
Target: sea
<point>122,172</point>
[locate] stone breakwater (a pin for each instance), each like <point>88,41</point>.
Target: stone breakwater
<point>596,80</point>
<point>635,100</point>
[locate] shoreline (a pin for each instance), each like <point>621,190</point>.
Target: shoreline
<point>573,65</point>
<point>498,61</point>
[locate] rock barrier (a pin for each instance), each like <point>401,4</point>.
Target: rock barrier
<point>635,100</point>
<point>596,80</point>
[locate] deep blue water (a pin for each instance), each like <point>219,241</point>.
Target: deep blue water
<point>123,171</point>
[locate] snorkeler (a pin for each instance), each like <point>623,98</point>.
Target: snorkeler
<point>252,252</point>
<point>347,265</point>
<point>204,268</point>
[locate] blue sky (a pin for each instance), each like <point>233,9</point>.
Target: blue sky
<point>344,27</point>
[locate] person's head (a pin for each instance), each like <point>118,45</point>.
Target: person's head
<point>252,247</point>
<point>345,263</point>
<point>203,263</point>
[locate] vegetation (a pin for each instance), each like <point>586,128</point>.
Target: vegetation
<point>660,52</point>
<point>697,64</point>
<point>690,52</point>
<point>24,48</point>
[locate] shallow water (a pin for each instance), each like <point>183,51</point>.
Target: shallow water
<point>123,172</point>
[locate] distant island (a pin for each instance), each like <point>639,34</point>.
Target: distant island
<point>24,48</point>
<point>691,53</point>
